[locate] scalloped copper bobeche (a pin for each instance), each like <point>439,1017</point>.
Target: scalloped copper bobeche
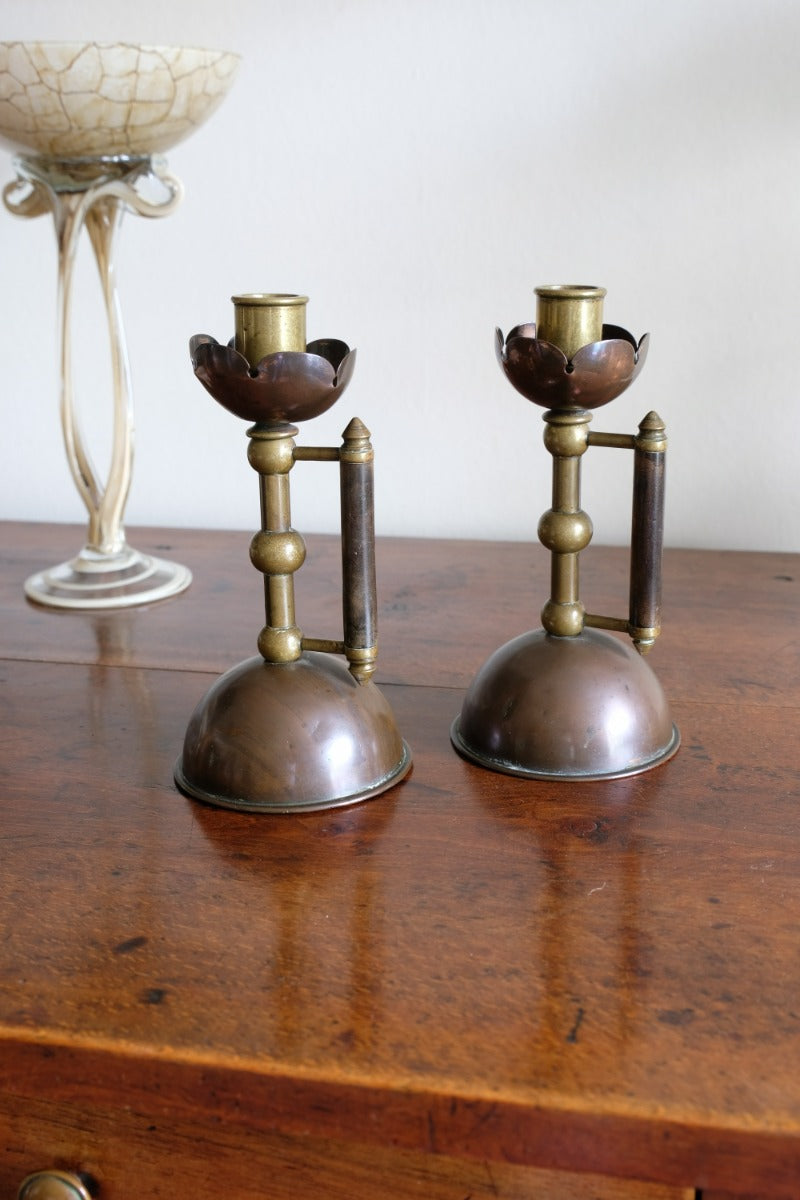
<point>291,385</point>
<point>596,374</point>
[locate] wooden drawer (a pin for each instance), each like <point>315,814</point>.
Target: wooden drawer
<point>133,1158</point>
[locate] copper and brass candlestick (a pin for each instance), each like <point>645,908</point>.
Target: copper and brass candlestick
<point>568,700</point>
<point>293,730</point>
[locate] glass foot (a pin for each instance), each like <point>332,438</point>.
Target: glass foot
<point>121,580</point>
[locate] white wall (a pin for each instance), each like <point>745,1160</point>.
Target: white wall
<point>417,167</point>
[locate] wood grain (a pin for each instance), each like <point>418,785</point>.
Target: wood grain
<point>470,969</point>
<point>730,618</point>
<point>128,1157</point>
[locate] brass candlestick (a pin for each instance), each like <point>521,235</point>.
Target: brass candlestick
<point>293,730</point>
<point>568,701</point>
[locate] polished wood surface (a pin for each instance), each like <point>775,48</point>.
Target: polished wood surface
<point>593,979</point>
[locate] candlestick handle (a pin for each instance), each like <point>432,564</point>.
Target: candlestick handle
<point>647,532</point>
<point>649,445</point>
<point>359,591</point>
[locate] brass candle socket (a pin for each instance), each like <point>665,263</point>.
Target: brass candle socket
<point>293,729</point>
<point>268,324</point>
<point>566,700</point>
<point>569,315</point>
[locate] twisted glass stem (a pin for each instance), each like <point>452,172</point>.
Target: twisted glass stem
<point>93,194</point>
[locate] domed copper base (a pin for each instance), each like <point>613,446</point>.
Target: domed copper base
<point>585,707</point>
<point>291,737</point>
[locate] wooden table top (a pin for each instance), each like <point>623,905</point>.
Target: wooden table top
<point>595,977</point>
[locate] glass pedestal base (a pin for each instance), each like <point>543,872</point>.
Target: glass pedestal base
<point>120,580</point>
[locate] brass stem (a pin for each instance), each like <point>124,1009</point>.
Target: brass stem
<point>279,601</point>
<point>276,502</point>
<point>277,550</point>
<point>564,579</point>
<point>272,323</point>
<point>565,529</point>
<point>566,484</point>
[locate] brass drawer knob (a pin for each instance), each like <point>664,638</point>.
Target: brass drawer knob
<point>53,1185</point>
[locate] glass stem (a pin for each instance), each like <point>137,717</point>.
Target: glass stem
<point>102,217</point>
<point>95,196</point>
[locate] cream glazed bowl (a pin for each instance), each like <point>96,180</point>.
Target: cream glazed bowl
<point>68,100</point>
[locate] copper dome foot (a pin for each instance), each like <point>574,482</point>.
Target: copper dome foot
<point>585,707</point>
<point>291,737</point>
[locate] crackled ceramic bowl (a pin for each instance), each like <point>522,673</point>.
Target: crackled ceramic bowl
<point>69,100</point>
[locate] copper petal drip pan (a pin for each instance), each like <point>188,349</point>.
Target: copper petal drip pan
<point>595,375</point>
<point>285,386</point>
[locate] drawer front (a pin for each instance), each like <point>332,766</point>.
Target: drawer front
<point>128,1157</point>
